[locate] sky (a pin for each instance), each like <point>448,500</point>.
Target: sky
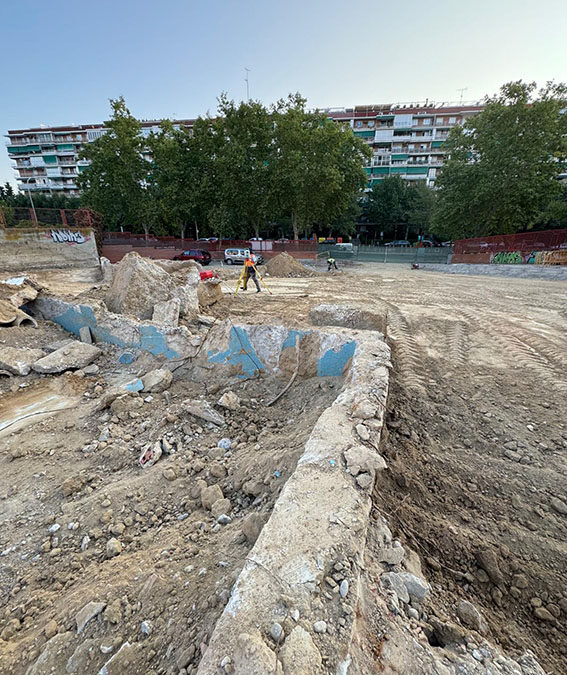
<point>61,61</point>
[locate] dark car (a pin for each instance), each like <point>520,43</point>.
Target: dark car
<point>398,242</point>
<point>197,254</point>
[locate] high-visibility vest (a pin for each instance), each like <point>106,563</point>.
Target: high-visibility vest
<point>249,262</point>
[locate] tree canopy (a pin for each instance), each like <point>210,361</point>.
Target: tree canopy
<point>238,173</point>
<point>503,165</point>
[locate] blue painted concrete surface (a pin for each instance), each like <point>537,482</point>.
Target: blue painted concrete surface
<point>333,363</point>
<point>240,353</point>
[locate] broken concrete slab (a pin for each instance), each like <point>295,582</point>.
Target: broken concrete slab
<point>157,381</point>
<point>167,313</point>
<point>209,292</point>
<point>203,411</point>
<point>88,612</point>
<point>19,361</point>
<point>347,317</point>
<point>73,356</point>
<point>85,335</point>
<point>362,459</point>
<point>139,284</point>
<point>19,290</point>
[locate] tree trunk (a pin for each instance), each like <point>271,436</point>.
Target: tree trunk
<point>294,224</point>
<point>196,230</point>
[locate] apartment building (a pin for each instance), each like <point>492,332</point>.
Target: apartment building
<point>46,159</point>
<point>407,140</point>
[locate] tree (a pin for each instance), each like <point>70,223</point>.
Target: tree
<point>115,183</point>
<point>503,163</point>
<point>317,165</point>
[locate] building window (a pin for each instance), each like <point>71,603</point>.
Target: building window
<point>452,120</point>
<point>370,124</point>
<point>427,120</point>
<point>359,123</point>
<point>440,120</point>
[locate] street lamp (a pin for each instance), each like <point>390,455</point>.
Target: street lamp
<point>27,180</point>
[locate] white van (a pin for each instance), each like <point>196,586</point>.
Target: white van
<point>237,256</point>
<point>349,248</point>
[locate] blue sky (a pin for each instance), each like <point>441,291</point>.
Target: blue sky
<point>62,61</point>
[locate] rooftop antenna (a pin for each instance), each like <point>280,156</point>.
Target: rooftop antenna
<point>247,84</point>
<point>462,90</point>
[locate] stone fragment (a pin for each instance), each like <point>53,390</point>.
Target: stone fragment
<point>229,400</point>
<point>87,613</point>
<point>167,313</point>
<point>150,454</point>
<point>209,292</point>
<point>85,335</point>
<point>299,655</point>
<point>113,547</point>
<point>220,507</point>
<point>417,588</point>
<point>276,631</point>
<point>49,661</point>
<point>360,458</point>
<point>73,356</point>
<point>186,656</point>
<point>363,432</point>
<point>543,614</point>
<point>365,481</point>
<point>343,588</point>
<point>488,561</point>
<point>209,495</point>
<point>251,526</point>
<point>253,656</point>
<point>157,381</point>
<point>169,474</point>
<point>320,626</point>
<point>202,410</point>
<point>558,505</point>
<point>18,361</point>
<point>120,663</point>
<point>391,555</point>
<point>93,369</point>
<point>394,581</point>
<point>471,617</point>
<point>72,484</point>
<point>50,629</point>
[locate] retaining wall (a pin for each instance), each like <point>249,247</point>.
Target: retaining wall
<point>36,248</point>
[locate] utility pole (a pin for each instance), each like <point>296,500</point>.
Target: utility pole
<point>462,90</point>
<point>247,84</point>
<point>31,201</point>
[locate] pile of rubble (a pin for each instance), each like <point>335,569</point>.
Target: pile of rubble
<point>285,265</point>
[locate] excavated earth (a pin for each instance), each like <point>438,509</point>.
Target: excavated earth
<point>475,443</point>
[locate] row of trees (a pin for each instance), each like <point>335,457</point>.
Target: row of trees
<point>247,170</point>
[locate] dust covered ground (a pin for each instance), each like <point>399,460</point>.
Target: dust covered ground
<point>476,440</point>
<point>476,446</point>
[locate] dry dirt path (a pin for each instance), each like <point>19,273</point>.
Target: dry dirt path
<point>477,436</point>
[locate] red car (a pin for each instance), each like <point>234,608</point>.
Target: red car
<point>200,256</point>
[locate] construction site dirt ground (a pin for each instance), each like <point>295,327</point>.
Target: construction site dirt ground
<point>475,442</point>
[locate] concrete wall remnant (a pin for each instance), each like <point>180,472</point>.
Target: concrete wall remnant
<point>39,248</point>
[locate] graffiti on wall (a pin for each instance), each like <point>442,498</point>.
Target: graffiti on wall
<point>533,258</point>
<point>67,237</point>
<point>513,258</point>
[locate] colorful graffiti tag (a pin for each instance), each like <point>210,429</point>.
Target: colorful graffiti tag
<point>513,258</point>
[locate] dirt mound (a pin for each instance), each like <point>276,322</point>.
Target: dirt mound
<point>285,265</point>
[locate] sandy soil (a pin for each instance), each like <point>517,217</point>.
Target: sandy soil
<point>476,444</point>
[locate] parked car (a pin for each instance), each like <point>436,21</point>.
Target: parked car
<point>398,242</point>
<point>347,247</point>
<point>237,256</point>
<point>212,240</point>
<point>203,257</point>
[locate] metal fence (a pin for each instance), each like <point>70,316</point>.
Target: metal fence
<point>390,254</point>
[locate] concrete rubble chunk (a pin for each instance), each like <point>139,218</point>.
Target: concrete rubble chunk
<point>150,454</point>
<point>18,361</point>
<point>417,588</point>
<point>202,410</point>
<point>210,495</point>
<point>157,381</point>
<point>119,663</point>
<point>139,284</point>
<point>87,613</point>
<point>19,290</point>
<point>346,316</point>
<point>73,356</point>
<point>50,658</point>
<point>299,655</point>
<point>253,656</point>
<point>167,313</point>
<point>471,617</point>
<point>394,581</point>
<point>209,292</point>
<point>362,459</point>
<point>229,400</point>
<point>85,335</point>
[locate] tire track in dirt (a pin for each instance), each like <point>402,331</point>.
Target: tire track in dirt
<point>457,343</point>
<point>408,356</point>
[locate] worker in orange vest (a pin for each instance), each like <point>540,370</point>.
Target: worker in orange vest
<point>250,272</point>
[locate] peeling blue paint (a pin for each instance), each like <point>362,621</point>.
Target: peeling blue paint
<point>127,358</point>
<point>290,339</point>
<point>239,353</point>
<point>151,339</point>
<point>135,385</point>
<point>333,363</point>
